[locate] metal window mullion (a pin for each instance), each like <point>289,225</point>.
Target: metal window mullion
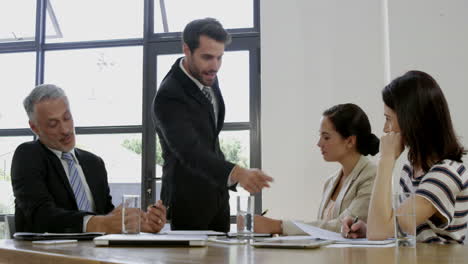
<point>255,100</point>
<point>236,126</point>
<point>93,44</point>
<point>17,47</point>
<point>16,132</point>
<point>89,130</point>
<point>256,14</point>
<point>148,181</point>
<point>164,16</point>
<point>41,9</point>
<point>255,114</point>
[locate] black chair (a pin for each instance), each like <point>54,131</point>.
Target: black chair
<point>10,225</point>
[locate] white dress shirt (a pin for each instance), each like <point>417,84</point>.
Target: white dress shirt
<point>83,180</point>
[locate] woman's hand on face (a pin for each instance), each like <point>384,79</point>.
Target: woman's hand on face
<point>391,145</point>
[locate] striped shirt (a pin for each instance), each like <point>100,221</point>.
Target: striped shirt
<point>446,187</point>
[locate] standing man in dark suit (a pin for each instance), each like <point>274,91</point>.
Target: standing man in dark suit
<point>189,115</point>
<point>60,188</point>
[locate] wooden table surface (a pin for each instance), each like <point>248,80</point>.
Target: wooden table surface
<point>12,251</point>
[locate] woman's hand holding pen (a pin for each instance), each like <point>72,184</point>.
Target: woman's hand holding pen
<point>353,227</point>
<point>267,225</point>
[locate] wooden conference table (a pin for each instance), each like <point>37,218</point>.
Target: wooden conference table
<point>12,251</point>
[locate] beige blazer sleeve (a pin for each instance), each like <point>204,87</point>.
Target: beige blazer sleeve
<point>353,199</point>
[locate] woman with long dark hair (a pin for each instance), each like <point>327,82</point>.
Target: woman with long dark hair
<point>418,117</point>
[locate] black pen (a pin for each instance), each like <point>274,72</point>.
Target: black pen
<point>264,212</point>
<point>356,219</point>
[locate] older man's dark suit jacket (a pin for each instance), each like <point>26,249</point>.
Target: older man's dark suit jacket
<point>44,199</point>
<point>195,172</point>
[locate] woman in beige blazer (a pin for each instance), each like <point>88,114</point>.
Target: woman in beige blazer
<point>346,138</point>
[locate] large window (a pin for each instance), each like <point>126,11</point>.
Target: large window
<point>104,84</point>
<point>110,56</point>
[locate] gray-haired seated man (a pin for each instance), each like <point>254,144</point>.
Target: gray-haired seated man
<point>60,188</point>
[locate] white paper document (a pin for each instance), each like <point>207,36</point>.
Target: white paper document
<point>316,232</point>
<point>193,232</point>
<point>343,245</point>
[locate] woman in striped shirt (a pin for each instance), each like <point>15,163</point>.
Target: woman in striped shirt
<point>418,117</point>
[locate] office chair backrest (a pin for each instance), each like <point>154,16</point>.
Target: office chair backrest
<point>10,225</point>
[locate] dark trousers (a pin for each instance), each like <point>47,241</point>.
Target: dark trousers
<point>190,215</point>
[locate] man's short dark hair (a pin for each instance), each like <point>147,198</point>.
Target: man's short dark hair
<point>209,27</point>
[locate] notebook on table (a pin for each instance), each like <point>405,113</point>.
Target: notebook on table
<point>151,240</point>
<point>55,236</point>
<point>286,243</point>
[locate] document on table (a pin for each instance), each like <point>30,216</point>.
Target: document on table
<point>193,232</point>
<point>317,232</point>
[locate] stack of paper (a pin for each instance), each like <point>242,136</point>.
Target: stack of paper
<point>316,232</point>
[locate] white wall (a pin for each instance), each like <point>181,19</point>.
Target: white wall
<point>319,53</point>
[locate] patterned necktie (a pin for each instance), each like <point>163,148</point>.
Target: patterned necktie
<point>206,92</point>
<point>76,183</point>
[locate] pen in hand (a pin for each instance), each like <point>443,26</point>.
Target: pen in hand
<point>264,212</point>
<point>356,219</point>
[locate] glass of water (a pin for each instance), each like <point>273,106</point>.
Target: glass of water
<point>405,220</point>
<point>245,216</point>
<point>131,214</point>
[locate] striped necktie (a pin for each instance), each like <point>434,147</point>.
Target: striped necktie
<point>206,92</point>
<point>76,183</point>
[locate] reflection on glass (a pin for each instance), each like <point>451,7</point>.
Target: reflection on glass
<point>8,146</point>
<point>104,86</point>
<point>233,81</point>
<point>17,20</point>
<point>17,77</point>
<point>178,13</point>
<point>3,230</point>
<point>236,148</point>
<point>94,20</point>
<point>121,154</point>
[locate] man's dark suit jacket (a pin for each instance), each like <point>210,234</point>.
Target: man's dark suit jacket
<point>44,199</point>
<point>195,172</point>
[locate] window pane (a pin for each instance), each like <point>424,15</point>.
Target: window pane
<point>17,20</point>
<point>8,146</point>
<point>164,64</point>
<point>104,85</point>
<point>122,156</point>
<point>236,148</point>
<point>17,76</point>
<point>2,230</point>
<point>232,14</point>
<point>233,81</point>
<point>94,20</point>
